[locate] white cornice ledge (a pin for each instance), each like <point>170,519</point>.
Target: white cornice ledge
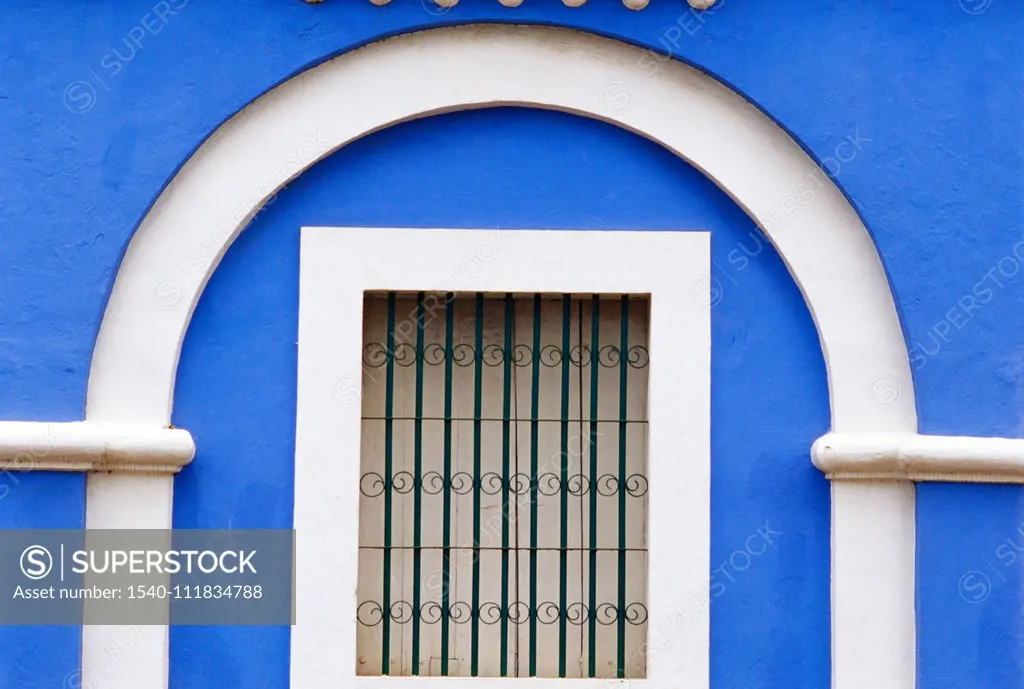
<point>911,457</point>
<point>91,446</point>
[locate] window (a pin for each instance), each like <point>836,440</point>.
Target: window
<point>503,508</point>
<point>356,285</point>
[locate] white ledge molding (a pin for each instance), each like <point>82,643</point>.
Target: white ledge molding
<point>92,446</point>
<point>912,457</point>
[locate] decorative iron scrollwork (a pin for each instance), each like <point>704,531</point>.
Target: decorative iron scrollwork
<point>370,613</point>
<point>373,485</point>
<point>433,483</point>
<point>493,355</point>
<point>492,483</point>
<point>463,355</point>
<point>580,356</point>
<point>636,485</point>
<point>461,483</point>
<point>522,355</point>
<point>550,355</point>
<point>375,355</point>
<point>434,354</point>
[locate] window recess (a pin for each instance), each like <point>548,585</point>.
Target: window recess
<point>503,485</point>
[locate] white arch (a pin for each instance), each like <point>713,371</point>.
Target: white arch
<point>825,246</point>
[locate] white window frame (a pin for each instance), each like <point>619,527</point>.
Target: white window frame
<point>338,265</point>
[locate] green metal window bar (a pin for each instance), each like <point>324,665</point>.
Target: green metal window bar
<point>503,486</point>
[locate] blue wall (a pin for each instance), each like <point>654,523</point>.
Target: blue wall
<point>40,656</point>
<point>934,93</point>
<point>970,587</point>
<point>236,387</point>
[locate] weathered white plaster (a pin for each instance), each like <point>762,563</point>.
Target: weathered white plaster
<point>88,446</point>
<point>911,457</point>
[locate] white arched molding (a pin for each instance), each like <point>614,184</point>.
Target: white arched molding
<point>255,153</point>
<point>825,246</point>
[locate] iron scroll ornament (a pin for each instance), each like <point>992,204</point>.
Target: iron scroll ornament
<point>376,355</point>
<point>371,613</point>
<point>373,484</point>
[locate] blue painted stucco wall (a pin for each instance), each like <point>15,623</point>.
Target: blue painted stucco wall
<point>236,390</point>
<point>100,102</point>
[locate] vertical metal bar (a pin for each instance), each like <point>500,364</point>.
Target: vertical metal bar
<point>534,443</point>
<point>389,408</point>
<point>623,370</point>
<point>446,519</point>
<point>474,662</point>
<point>563,569</point>
<point>594,367</point>
<point>579,400</point>
<point>516,535</point>
<point>417,525</point>
<point>506,447</point>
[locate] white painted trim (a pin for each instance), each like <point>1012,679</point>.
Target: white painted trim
<point>825,246</point>
<point>126,501</point>
<point>89,446</point>
<point>911,457</point>
<point>339,264</point>
<point>202,210</point>
<point>132,489</point>
<point>873,573</point>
